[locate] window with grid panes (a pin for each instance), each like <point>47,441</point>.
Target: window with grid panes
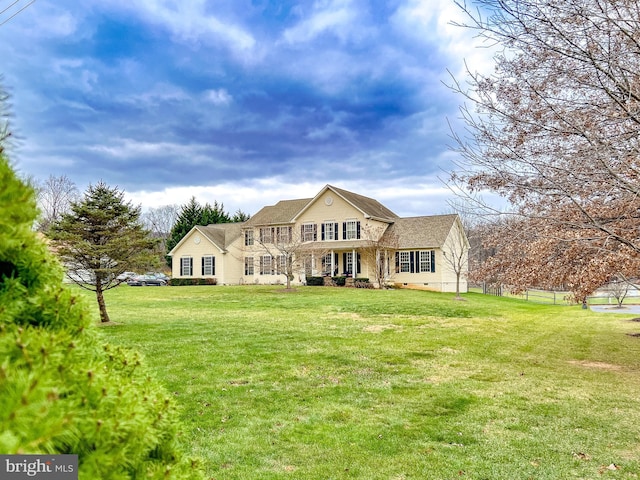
<point>208,265</point>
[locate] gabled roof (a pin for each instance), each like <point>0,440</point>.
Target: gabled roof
<point>422,232</point>
<point>282,212</point>
<point>219,234</point>
<point>369,207</point>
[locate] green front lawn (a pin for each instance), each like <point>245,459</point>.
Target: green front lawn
<point>335,383</point>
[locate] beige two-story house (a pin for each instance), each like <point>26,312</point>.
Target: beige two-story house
<point>337,233</point>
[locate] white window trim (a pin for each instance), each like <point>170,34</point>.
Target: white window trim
<point>209,269</point>
<point>186,268</point>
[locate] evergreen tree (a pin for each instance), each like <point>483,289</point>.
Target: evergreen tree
<point>188,217</point>
<point>214,214</point>
<point>240,216</point>
<point>192,214</point>
<point>100,238</point>
<point>62,390</point>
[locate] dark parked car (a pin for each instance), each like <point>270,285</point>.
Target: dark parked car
<point>144,280</point>
<point>159,275</point>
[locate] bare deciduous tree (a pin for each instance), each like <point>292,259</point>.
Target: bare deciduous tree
<point>159,221</point>
<point>376,250</point>
<point>618,288</point>
<point>288,248</point>
<point>55,196</point>
<point>554,130</point>
<point>455,254</point>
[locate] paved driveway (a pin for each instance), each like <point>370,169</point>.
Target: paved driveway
<point>635,309</point>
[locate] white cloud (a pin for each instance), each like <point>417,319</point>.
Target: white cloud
<point>192,23</point>
<point>336,17</point>
<point>218,97</point>
<point>125,149</point>
<point>430,22</point>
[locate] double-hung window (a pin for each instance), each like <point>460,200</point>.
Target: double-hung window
<point>248,265</point>
<point>266,265</point>
<point>284,235</point>
<point>266,235</point>
<point>208,265</point>
<point>329,231</point>
<point>309,232</point>
<point>351,230</point>
<point>425,261</point>
<point>248,237</point>
<point>186,267</point>
<point>405,262</point>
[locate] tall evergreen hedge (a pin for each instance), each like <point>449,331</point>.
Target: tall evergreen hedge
<point>62,390</point>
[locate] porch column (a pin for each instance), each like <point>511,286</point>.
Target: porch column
<point>354,259</point>
<point>333,261</point>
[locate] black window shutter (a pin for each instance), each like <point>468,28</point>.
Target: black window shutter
<point>335,232</point>
<point>213,265</point>
<point>412,262</point>
<point>344,230</point>
<point>358,231</point>
<point>202,266</point>
<point>191,267</point>
<point>397,262</point>
<point>433,261</point>
<point>335,262</point>
<point>323,231</point>
<point>358,268</point>
<point>344,262</point>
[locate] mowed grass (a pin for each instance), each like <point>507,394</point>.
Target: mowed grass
<point>335,383</point>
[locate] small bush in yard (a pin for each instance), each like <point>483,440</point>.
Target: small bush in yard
<point>63,391</point>
<point>315,281</point>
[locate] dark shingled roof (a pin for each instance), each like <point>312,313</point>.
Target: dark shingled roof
<point>222,234</point>
<point>281,213</point>
<point>368,206</point>
<point>422,232</point>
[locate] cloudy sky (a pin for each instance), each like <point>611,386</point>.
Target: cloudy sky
<point>246,102</point>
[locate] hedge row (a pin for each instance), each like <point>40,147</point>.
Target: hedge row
<point>182,282</point>
<point>340,281</point>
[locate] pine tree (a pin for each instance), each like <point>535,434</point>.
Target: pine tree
<point>192,214</point>
<point>100,238</point>
<point>214,214</point>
